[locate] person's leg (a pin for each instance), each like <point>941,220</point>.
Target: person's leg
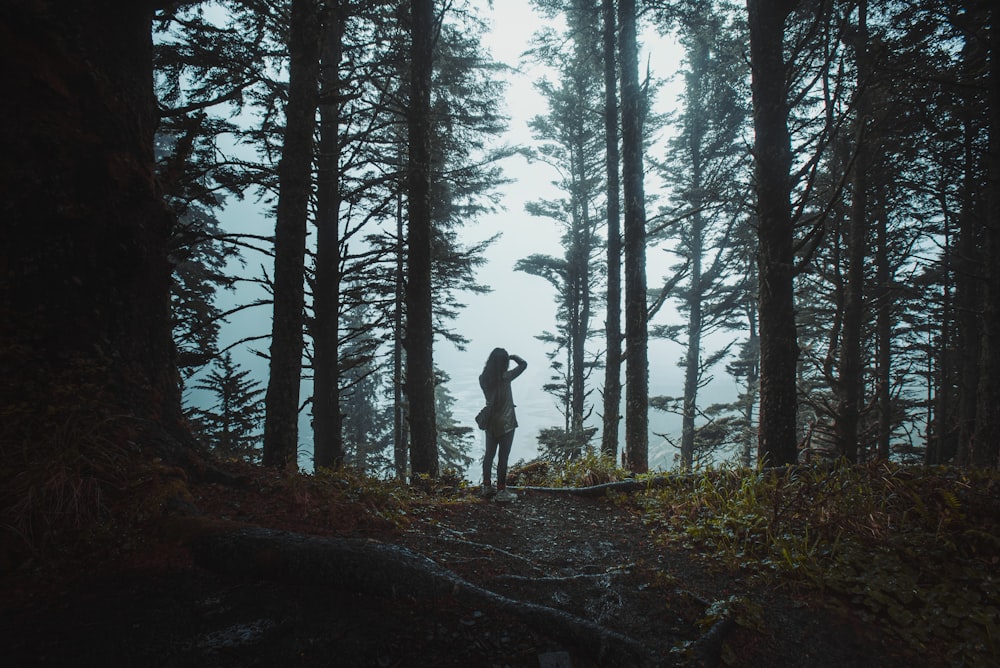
<point>491,451</point>
<point>506,441</point>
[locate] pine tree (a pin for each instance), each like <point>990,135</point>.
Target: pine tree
<point>367,420</point>
<point>613,304</point>
<point>419,339</point>
<point>295,186</point>
<point>709,179</point>
<point>634,203</point>
<point>231,426</point>
<point>455,440</point>
<point>571,140</point>
<point>772,154</point>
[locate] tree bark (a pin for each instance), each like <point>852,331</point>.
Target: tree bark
<point>988,415</point>
<point>776,440</point>
<point>849,385</point>
<point>400,421</point>
<point>613,315</point>
<point>695,129</point>
<point>281,422</point>
<point>636,313</point>
<point>883,335</point>
<point>328,441</point>
<point>84,294</point>
<point>419,313</point>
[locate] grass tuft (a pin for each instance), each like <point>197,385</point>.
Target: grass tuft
<point>916,548</point>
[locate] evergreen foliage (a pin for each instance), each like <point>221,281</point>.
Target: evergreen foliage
<point>221,82</point>
<point>454,440</point>
<point>708,174</point>
<point>232,425</point>
<point>571,141</point>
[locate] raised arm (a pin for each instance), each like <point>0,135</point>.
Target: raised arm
<point>511,374</point>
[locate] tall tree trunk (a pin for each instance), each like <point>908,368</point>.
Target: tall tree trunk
<point>400,422</point>
<point>613,315</point>
<point>753,378</point>
<point>578,294</point>
<point>695,127</point>
<point>328,441</point>
<point>988,416</point>
<point>941,446</point>
<point>849,385</point>
<point>692,357</point>
<point>636,313</point>
<point>281,422</point>
<point>419,314</point>
<point>776,441</point>
<point>970,269</point>
<point>84,299</point>
<point>883,336</point>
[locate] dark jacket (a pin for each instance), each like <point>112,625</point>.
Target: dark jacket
<point>501,401</point>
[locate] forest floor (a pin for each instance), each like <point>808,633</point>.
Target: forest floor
<point>149,603</point>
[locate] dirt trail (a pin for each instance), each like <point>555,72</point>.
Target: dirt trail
<point>589,558</point>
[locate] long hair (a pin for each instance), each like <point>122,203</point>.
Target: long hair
<point>496,364</point>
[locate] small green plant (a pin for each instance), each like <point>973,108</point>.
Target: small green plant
<point>914,547</point>
<point>590,468</point>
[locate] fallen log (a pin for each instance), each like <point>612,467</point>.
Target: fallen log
<point>629,485</point>
<point>391,571</point>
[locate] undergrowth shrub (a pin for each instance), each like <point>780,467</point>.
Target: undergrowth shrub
<point>917,548</point>
<point>62,465</point>
<point>591,468</point>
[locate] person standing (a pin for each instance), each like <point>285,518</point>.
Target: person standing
<point>495,382</point>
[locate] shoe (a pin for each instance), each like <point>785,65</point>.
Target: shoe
<point>505,496</point>
<point>488,491</point>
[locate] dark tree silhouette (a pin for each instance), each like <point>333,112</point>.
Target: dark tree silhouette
<point>988,414</point>
<point>84,299</point>
<point>295,184</point>
<point>231,426</point>
<point>772,154</point>
<point>419,340</point>
<point>328,439</point>
<point>636,313</point>
<point>613,310</point>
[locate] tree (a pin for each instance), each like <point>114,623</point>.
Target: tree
<point>636,314</point>
<point>231,426</point>
<point>980,57</point>
<point>988,424</point>
<point>571,142</point>
<point>777,443</point>
<point>367,432</point>
<point>419,341</point>
<point>328,440</point>
<point>850,384</point>
<point>198,252</point>
<point>455,439</point>
<point>210,68</point>
<point>707,173</point>
<point>85,330</point>
<point>613,304</point>
<point>295,186</point>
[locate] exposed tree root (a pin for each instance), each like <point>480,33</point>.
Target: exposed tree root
<point>506,577</point>
<point>390,570</point>
<point>485,547</point>
<point>707,650</point>
<point>621,486</point>
<point>652,482</point>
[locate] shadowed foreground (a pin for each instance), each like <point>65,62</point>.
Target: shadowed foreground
<point>551,580</point>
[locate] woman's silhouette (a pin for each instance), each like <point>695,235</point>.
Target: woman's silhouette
<point>495,381</point>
